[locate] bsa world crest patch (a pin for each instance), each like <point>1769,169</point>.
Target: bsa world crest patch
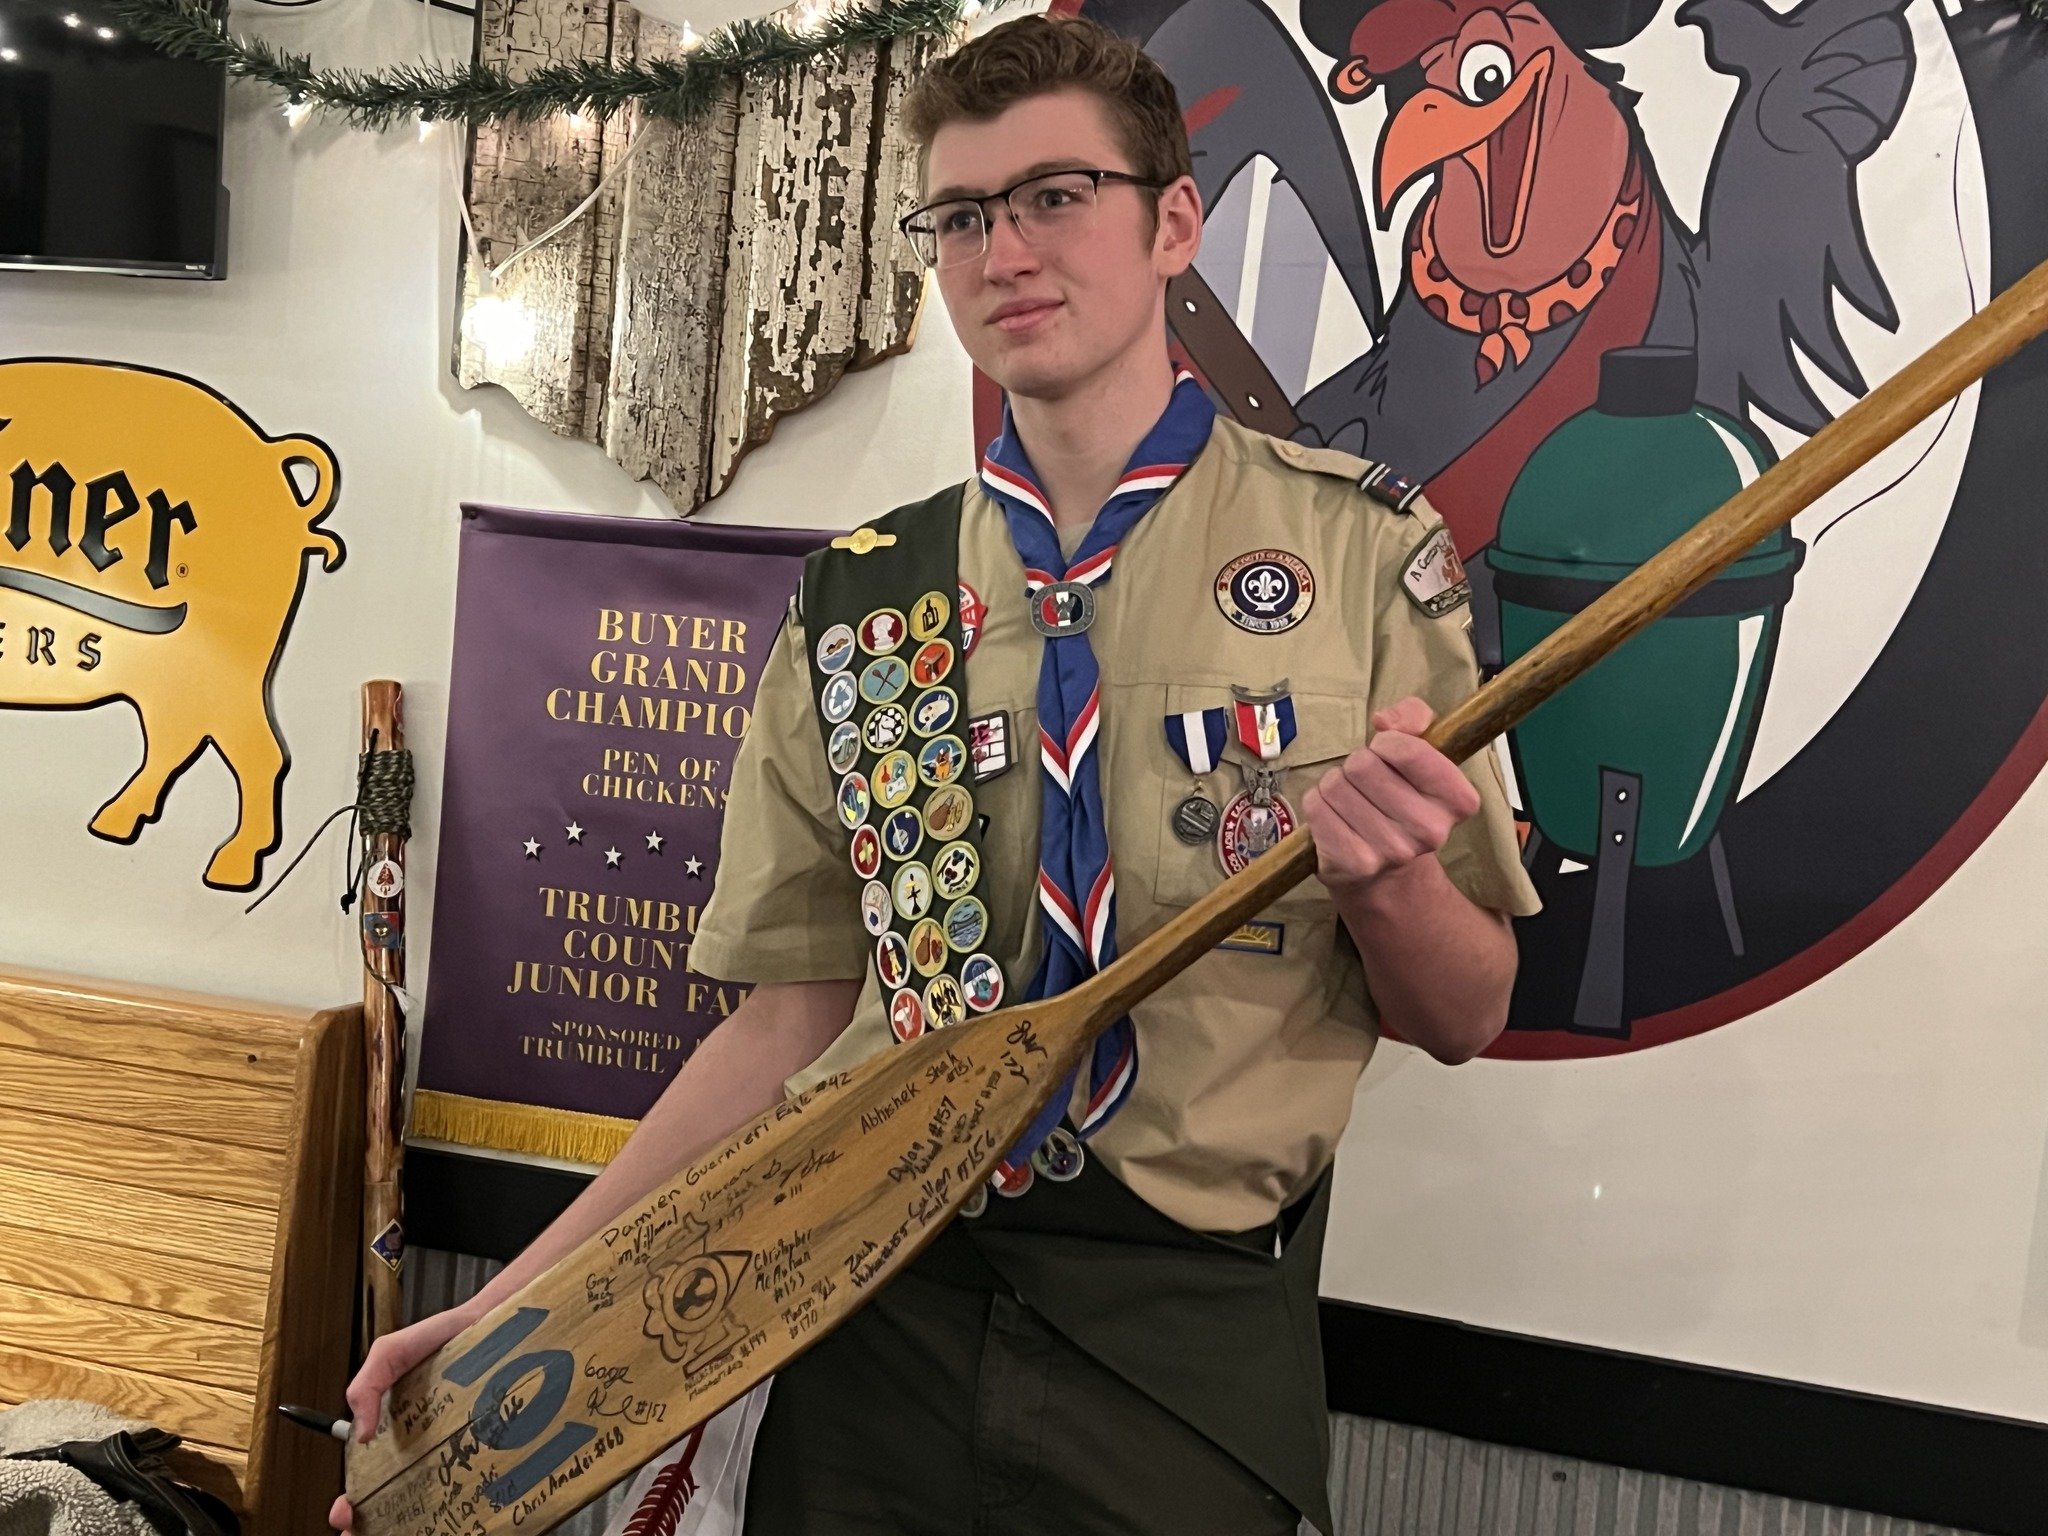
<point>1266,591</point>
<point>1434,576</point>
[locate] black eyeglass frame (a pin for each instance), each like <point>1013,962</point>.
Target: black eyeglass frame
<point>1095,174</point>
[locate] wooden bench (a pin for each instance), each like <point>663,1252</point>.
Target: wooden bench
<point>180,1188</point>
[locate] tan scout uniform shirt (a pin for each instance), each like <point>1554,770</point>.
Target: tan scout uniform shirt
<point>1247,1062</point>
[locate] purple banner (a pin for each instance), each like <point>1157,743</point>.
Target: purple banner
<point>602,680</point>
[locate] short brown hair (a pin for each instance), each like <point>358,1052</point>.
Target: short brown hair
<point>1034,55</point>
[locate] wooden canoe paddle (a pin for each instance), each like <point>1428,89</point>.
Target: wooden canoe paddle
<point>761,1247</point>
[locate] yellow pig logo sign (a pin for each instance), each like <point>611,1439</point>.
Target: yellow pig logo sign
<point>152,550</point>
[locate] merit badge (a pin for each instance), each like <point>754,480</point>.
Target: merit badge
<point>928,616</point>
<point>902,832</point>
<point>853,800</point>
<point>1434,576</point>
<point>1266,591</point>
<point>988,744</point>
<point>973,615</point>
<point>1195,818</point>
<point>982,980</point>
<point>928,949</point>
<point>943,1001</point>
<point>1197,737</point>
<point>912,892</point>
<point>906,1016</point>
<point>882,679</point>
<point>1388,488</point>
<point>1059,1157</point>
<point>940,760</point>
<point>1062,608</point>
<point>1011,1184</point>
<point>966,924</point>
<point>874,908</point>
<point>892,960</point>
<point>1253,822</point>
<point>885,727</point>
<point>384,879</point>
<point>895,777</point>
<point>867,852</point>
<point>954,869</point>
<point>934,711</point>
<point>835,648</point>
<point>946,813</point>
<point>835,703</point>
<point>934,659</point>
<point>881,631</point>
<point>843,751</point>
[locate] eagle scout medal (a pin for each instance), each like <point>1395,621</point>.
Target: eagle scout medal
<point>946,813</point>
<point>906,1016</point>
<point>928,616</point>
<point>944,1003</point>
<point>886,727</point>
<point>883,679</point>
<point>835,703</point>
<point>1434,578</point>
<point>966,924</point>
<point>940,760</point>
<point>835,648</point>
<point>973,615</point>
<point>1062,608</point>
<point>934,659</point>
<point>844,750</point>
<point>981,979</point>
<point>902,832</point>
<point>934,711</point>
<point>1011,1184</point>
<point>911,892</point>
<point>895,777</point>
<point>1060,1157</point>
<point>853,800</point>
<point>928,949</point>
<point>867,852</point>
<point>1266,591</point>
<point>1263,722</point>
<point>954,870</point>
<point>892,960</point>
<point>881,631</point>
<point>1254,821</point>
<point>988,745</point>
<point>875,907</point>
<point>1195,818</point>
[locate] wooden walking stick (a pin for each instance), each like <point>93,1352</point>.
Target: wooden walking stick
<point>383,940</point>
<point>763,1245</point>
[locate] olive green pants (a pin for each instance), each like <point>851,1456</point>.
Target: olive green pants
<point>947,1409</point>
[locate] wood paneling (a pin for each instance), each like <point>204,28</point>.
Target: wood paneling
<point>56,1143</point>
<point>113,1093</point>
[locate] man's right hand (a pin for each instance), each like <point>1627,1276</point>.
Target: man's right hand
<point>390,1358</point>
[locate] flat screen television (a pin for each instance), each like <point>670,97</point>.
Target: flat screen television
<point>110,153</point>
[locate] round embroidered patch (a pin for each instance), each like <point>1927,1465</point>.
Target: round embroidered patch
<point>835,648</point>
<point>866,852</point>
<point>940,760</point>
<point>902,833</point>
<point>874,908</point>
<point>881,631</point>
<point>982,980</point>
<point>844,749</point>
<point>853,800</point>
<point>1266,591</point>
<point>894,778</point>
<point>934,659</point>
<point>966,924</point>
<point>928,949</point>
<point>954,869</point>
<point>1248,829</point>
<point>947,812</point>
<point>886,727</point>
<point>882,679</point>
<point>912,892</point>
<point>944,1003</point>
<point>934,710</point>
<point>973,615</point>
<point>928,615</point>
<point>835,703</point>
<point>892,960</point>
<point>906,1016</point>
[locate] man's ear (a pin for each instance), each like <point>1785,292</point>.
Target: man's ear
<point>1179,235</point>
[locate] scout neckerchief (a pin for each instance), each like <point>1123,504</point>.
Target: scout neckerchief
<point>1076,879</point>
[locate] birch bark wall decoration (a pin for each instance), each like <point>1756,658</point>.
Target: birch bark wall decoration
<point>737,269</point>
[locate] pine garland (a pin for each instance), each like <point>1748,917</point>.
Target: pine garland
<point>677,89</point>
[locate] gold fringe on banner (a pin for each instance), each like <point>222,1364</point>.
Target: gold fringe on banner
<point>506,1127</point>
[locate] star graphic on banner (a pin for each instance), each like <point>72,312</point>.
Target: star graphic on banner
<point>654,842</point>
<point>694,867</point>
<point>611,857</point>
<point>532,849</point>
<point>575,832</point>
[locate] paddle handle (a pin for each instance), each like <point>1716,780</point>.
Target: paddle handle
<point>1690,561</point>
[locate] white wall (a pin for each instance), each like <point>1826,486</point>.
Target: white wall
<point>1845,1189</point>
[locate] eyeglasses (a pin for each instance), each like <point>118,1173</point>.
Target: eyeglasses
<point>1046,210</point>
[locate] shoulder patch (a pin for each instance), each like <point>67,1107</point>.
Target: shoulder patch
<point>1383,484</point>
<point>1434,578</point>
<point>1389,489</point>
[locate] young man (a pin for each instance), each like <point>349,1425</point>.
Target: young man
<point>1123,1340</point>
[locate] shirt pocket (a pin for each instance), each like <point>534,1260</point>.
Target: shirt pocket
<point>1328,728</point>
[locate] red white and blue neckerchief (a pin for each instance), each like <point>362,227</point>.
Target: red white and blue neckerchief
<point>1076,878</point>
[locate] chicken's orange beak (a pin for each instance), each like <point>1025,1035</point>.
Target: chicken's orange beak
<point>1498,137</point>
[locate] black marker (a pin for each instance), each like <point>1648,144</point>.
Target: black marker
<point>341,1429</point>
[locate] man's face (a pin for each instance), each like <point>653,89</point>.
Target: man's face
<point>1041,320</point>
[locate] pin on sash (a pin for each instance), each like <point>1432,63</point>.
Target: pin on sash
<point>862,540</point>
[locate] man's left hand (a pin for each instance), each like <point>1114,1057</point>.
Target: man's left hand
<point>1391,802</point>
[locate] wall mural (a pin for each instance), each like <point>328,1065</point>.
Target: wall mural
<point>1432,219</point>
<point>153,553</point>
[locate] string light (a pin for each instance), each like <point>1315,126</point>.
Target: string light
<point>970,10</point>
<point>295,111</point>
<point>104,34</point>
<point>577,120</point>
<point>8,55</point>
<point>502,327</point>
<point>690,40</point>
<point>426,129</point>
<point>73,21</point>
